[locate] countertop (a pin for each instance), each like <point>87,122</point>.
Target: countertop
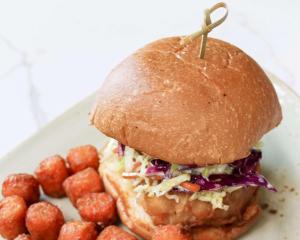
<point>54,53</point>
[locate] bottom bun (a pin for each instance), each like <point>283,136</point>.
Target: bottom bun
<point>140,222</point>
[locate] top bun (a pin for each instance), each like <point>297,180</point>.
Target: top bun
<point>165,101</point>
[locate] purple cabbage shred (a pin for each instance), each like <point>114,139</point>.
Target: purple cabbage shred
<point>244,174</point>
<point>121,149</point>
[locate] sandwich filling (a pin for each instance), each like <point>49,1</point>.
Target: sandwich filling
<point>156,177</point>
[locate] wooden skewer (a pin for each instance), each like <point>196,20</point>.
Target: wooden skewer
<point>207,27</point>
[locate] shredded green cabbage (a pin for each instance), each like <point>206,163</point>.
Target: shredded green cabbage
<point>167,185</point>
<point>259,145</point>
<point>121,165</point>
<point>212,169</point>
<point>214,197</point>
<point>143,185</point>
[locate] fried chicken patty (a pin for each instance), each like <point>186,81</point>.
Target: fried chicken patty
<point>194,213</point>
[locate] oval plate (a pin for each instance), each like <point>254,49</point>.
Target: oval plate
<point>281,162</point>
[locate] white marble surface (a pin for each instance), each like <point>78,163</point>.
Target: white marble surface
<point>54,53</point>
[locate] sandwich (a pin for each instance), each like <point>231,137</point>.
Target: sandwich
<point>183,137</point>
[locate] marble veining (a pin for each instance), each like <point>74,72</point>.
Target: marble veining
<point>24,62</point>
<point>54,53</point>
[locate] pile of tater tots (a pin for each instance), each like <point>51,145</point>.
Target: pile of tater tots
<point>25,216</point>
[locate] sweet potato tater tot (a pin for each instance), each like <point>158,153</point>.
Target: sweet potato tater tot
<point>168,232</point>
<point>12,217</point>
<point>116,233</point>
<point>51,174</point>
<point>23,237</point>
<point>43,221</point>
<point>97,207</point>
<point>81,183</point>
<point>82,157</point>
<point>23,185</point>
<point>78,230</point>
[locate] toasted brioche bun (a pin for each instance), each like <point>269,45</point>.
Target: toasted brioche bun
<point>165,101</point>
<point>206,223</point>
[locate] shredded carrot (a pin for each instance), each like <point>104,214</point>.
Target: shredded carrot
<point>190,186</point>
<point>136,165</point>
<point>129,175</point>
<point>156,177</point>
<point>115,150</point>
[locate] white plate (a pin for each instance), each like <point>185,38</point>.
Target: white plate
<point>281,161</point>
